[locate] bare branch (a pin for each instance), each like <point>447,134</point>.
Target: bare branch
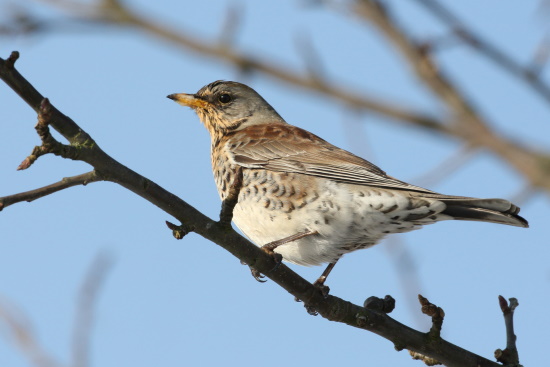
<point>232,24</point>
<point>276,69</point>
<point>446,167</point>
<point>20,331</point>
<point>469,124</point>
<point>330,307</point>
<point>85,309</point>
<point>436,313</point>
<point>542,53</point>
<point>508,356</point>
<point>65,183</point>
<point>49,144</point>
<point>487,49</point>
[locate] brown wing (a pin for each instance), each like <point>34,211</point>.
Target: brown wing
<point>286,148</point>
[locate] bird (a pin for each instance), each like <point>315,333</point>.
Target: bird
<point>304,200</point>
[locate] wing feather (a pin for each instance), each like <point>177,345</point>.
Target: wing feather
<point>286,148</point>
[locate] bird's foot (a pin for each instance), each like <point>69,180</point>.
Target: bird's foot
<point>277,258</point>
<point>257,275</point>
<point>320,284</point>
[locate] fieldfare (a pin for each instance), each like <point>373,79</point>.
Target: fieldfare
<point>305,199</point>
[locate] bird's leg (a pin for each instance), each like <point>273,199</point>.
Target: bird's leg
<point>269,247</point>
<point>228,204</point>
<point>320,282</point>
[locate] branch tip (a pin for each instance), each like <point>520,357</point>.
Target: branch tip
<point>179,231</point>
<point>508,356</point>
<point>436,313</point>
<point>10,62</point>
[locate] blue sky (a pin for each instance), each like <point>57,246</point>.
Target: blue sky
<point>171,303</point>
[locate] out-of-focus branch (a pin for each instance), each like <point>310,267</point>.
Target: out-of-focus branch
<point>468,124</point>
<point>18,328</point>
<point>446,167</point>
<point>84,319</point>
<point>123,16</point>
<point>20,331</point>
<point>528,74</point>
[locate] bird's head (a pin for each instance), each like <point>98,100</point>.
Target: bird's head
<point>224,106</point>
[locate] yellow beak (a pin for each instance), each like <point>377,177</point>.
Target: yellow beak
<point>188,100</point>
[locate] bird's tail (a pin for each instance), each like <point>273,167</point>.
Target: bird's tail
<point>485,210</point>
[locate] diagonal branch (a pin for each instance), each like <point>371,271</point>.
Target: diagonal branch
<point>329,307</point>
<point>487,49</point>
<point>20,331</point>
<point>469,125</point>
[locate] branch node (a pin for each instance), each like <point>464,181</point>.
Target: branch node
<point>436,313</point>
<point>49,144</point>
<point>398,346</point>
<point>179,231</point>
<point>361,320</point>
<point>385,305</point>
<point>10,61</point>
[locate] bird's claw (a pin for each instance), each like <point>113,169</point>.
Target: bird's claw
<point>319,284</point>
<point>257,275</point>
<point>278,258</point>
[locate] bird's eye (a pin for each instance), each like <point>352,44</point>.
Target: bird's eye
<point>224,98</point>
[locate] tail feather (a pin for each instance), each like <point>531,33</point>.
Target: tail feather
<point>486,210</point>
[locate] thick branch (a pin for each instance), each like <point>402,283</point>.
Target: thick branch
<point>330,307</point>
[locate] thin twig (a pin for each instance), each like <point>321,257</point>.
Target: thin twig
<point>436,313</point>
<point>508,356</point>
<point>487,49</point>
<point>84,318</point>
<point>446,167</point>
<point>49,143</point>
<point>20,331</point>
<point>82,179</point>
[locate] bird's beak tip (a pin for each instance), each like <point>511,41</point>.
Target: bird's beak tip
<point>188,100</point>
